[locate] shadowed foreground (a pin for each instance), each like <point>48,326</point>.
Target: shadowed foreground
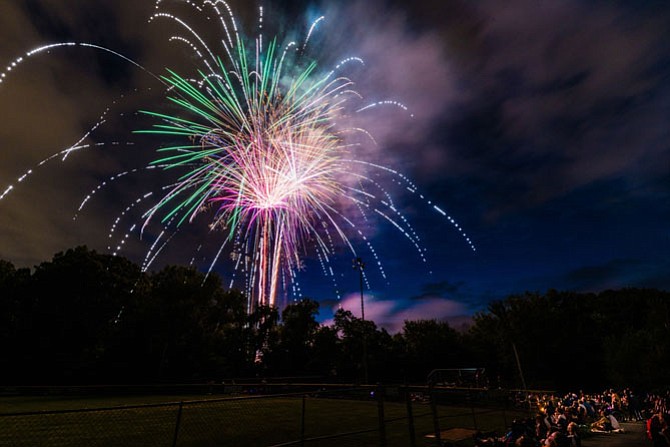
<point>634,436</point>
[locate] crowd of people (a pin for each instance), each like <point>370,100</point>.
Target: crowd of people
<point>562,421</point>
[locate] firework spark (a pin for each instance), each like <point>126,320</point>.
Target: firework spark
<point>265,147</point>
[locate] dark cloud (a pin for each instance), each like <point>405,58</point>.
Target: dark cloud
<point>618,273</point>
<point>444,288</point>
<point>556,97</point>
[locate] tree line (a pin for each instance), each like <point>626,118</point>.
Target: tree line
<point>89,318</point>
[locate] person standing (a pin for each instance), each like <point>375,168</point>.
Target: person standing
<point>657,430</point>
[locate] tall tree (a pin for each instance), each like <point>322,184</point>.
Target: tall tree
<point>297,338</point>
<point>74,301</point>
<point>356,335</point>
<point>429,345</point>
<point>15,321</point>
<point>178,322</point>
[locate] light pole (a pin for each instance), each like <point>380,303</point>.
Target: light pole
<point>359,265</point>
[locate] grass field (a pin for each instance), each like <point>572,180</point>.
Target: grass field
<point>195,421</point>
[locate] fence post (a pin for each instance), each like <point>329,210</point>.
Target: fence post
<point>505,408</point>
<point>436,419</point>
<point>410,417</point>
<point>380,415</point>
<point>176,428</point>
<point>472,409</point>
<point>302,422</point>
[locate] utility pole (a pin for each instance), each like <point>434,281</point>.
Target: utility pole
<point>359,265</point>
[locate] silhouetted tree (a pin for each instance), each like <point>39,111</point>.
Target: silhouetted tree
<point>178,322</point>
<point>429,344</point>
<point>263,338</point>
<point>70,307</point>
<point>15,321</point>
<point>296,344</point>
<point>84,317</point>
<point>356,338</point>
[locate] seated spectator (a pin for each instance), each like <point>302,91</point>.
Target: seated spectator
<point>560,421</point>
<point>616,427</point>
<point>607,423</point>
<point>603,424</point>
<point>525,441</point>
<point>557,439</point>
<point>542,426</point>
<point>573,435</point>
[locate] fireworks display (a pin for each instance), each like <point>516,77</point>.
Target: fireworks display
<point>262,144</point>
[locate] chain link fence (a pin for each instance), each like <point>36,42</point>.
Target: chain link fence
<point>273,416</point>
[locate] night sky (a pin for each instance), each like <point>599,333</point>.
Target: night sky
<point>541,127</point>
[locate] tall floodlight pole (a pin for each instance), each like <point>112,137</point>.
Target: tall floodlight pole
<point>360,266</point>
